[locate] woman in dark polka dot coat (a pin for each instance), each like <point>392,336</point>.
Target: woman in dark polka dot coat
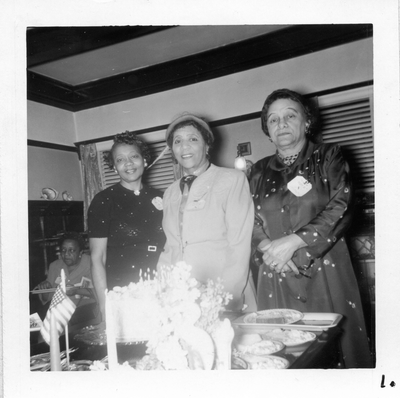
<point>124,221</point>
<point>303,206</point>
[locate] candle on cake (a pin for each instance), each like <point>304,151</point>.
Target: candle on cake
<point>111,341</point>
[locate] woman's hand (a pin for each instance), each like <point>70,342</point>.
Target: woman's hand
<point>278,253</point>
<point>290,266</point>
<point>43,285</point>
<point>44,297</point>
<point>263,244</point>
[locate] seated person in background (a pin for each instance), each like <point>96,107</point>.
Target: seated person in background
<point>76,265</point>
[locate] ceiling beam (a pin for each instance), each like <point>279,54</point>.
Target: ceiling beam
<point>47,44</point>
<point>277,46</point>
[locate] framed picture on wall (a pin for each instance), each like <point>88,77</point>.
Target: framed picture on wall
<point>244,148</point>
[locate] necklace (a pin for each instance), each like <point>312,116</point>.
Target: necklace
<point>288,160</point>
<point>136,192</point>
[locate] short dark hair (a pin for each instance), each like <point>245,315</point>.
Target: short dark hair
<point>284,93</point>
<point>127,138</point>
<point>208,139</point>
<point>73,236</point>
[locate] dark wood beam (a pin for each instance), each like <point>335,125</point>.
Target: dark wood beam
<point>277,46</point>
<point>50,145</point>
<point>45,44</point>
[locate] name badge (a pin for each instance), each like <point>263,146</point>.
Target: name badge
<point>299,186</point>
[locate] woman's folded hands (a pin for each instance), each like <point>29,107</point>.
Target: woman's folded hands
<point>277,254</point>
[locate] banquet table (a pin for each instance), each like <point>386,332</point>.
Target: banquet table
<point>322,353</point>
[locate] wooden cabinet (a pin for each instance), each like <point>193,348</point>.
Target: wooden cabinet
<point>47,221</point>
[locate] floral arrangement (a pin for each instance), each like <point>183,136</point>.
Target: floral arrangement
<point>188,333</point>
<point>189,318</point>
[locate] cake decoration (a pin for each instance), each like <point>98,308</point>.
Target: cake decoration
<point>179,320</point>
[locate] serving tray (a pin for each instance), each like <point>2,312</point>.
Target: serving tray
<point>311,321</point>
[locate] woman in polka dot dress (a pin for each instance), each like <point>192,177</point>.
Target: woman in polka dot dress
<point>303,198</point>
<point>124,220</point>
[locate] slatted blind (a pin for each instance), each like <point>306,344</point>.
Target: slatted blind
<point>159,176</point>
<point>349,123</point>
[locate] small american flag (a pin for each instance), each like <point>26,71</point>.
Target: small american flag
<point>62,308</point>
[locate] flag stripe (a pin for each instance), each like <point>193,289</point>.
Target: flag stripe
<point>62,309</point>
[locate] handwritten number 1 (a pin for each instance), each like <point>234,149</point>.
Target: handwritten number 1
<point>392,384</point>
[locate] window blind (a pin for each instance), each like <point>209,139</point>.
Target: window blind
<point>348,122</point>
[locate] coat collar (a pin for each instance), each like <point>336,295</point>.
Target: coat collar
<point>276,163</point>
<point>199,186</point>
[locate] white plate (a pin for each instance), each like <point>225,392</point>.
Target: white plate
<point>311,321</point>
<point>261,348</point>
<point>265,362</point>
<point>37,362</point>
<point>289,337</point>
<point>294,340</point>
<point>280,316</point>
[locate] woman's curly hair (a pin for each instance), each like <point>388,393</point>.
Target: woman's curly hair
<point>310,110</point>
<point>127,138</point>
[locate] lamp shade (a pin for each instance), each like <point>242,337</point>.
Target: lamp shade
<point>240,163</point>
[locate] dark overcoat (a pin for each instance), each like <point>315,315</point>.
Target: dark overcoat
<point>320,217</point>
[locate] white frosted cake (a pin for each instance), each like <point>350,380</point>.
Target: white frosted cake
<point>178,319</point>
<point>135,310</point>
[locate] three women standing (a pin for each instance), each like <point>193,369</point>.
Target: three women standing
<point>303,197</point>
<point>302,208</point>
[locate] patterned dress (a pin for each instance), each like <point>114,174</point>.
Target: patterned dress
<point>132,224</point>
<point>320,217</point>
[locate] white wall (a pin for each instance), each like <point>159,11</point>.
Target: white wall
<point>229,136</point>
<point>232,95</point>
<point>216,99</point>
<point>48,167</point>
<point>55,169</point>
<point>50,124</point>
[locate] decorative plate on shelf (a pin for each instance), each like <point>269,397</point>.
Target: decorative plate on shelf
<point>276,316</point>
<point>49,194</point>
<point>67,196</point>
